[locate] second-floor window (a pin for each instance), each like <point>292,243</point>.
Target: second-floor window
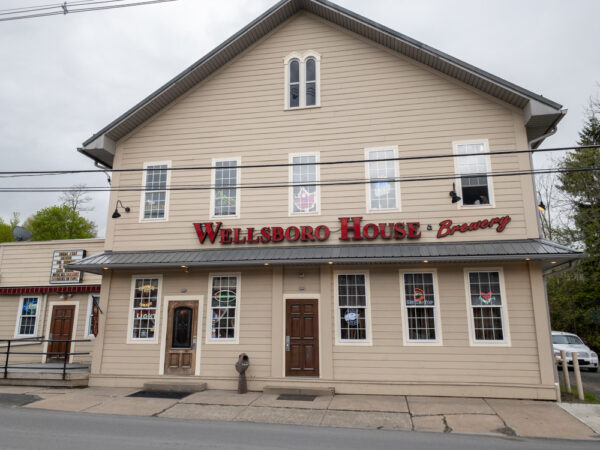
<point>304,197</point>
<point>156,180</point>
<point>382,189</point>
<point>226,178</point>
<point>473,185</point>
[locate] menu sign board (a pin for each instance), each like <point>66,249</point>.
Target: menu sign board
<point>61,275</point>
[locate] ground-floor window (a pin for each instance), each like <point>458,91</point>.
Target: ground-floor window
<point>486,302</point>
<point>224,305</point>
<point>28,316</point>
<point>145,302</point>
<point>352,299</point>
<point>91,326</point>
<point>420,307</point>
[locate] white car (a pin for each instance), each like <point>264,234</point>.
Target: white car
<point>571,343</point>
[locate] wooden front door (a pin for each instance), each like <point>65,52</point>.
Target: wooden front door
<point>180,353</point>
<point>61,329</point>
<point>302,338</point>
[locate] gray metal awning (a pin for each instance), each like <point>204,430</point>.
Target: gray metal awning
<point>513,250</point>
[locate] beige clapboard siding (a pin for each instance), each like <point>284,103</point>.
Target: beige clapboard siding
<point>386,360</point>
<point>9,310</point>
<point>29,263</point>
<point>239,111</point>
<point>455,360</point>
<point>119,357</point>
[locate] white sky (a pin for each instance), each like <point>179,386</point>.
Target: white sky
<point>62,78</point>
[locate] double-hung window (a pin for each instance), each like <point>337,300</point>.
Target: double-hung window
<point>144,308</point>
<point>420,308</point>
<point>487,307</point>
<point>226,179</point>
<point>224,306</point>
<point>155,195</point>
<point>352,308</point>
<point>304,197</point>
<point>28,316</point>
<point>302,80</point>
<point>473,182</point>
<point>383,191</point>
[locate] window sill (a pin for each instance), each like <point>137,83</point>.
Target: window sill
<point>302,107</point>
<point>359,343</point>
<point>222,341</point>
<point>487,206</point>
<point>423,343</point>
<point>383,211</point>
<point>153,220</point>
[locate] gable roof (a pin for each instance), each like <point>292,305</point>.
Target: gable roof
<point>540,114</point>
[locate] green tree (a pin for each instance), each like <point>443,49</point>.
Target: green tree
<point>59,222</point>
<point>6,234</point>
<point>574,296</point>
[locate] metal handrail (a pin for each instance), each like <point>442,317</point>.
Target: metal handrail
<point>39,340</point>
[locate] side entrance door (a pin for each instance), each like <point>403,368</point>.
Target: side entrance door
<point>302,338</point>
<point>180,351</point>
<point>61,329</point>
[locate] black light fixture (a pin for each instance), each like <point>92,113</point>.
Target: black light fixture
<point>116,214</point>
<point>542,207</point>
<point>455,197</point>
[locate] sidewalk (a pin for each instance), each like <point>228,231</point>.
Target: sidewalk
<point>498,417</point>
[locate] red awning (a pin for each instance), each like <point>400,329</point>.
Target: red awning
<point>49,289</point>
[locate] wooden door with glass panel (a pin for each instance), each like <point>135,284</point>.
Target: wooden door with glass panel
<point>180,352</point>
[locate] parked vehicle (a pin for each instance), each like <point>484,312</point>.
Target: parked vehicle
<point>572,343</point>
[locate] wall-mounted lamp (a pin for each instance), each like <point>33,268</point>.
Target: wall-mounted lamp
<point>455,197</point>
<point>116,214</point>
<point>542,207</point>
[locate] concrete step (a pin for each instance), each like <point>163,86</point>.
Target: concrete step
<point>47,379</point>
<point>299,390</point>
<point>175,386</point>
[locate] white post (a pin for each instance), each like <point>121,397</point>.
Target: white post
<point>565,368</point>
<point>575,357</point>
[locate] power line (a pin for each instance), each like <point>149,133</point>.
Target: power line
<point>64,8</point>
<point>304,184</point>
<point>26,9</point>
<point>316,163</point>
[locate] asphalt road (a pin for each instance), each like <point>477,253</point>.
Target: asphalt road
<point>23,428</point>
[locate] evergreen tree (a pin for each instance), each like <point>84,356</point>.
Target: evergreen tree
<point>575,296</point>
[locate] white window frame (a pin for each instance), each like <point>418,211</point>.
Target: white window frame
<point>291,211</point>
<point>88,318</point>
<point>458,179</point>
<point>236,339</point>
<point>37,316</point>
<point>159,302</point>
<point>143,192</point>
<point>336,304</point>
<point>368,151</point>
<point>301,58</point>
<point>506,342</point>
<point>238,200</point>
<point>436,307</point>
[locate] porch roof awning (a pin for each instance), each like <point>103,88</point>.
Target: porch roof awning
<point>550,253</point>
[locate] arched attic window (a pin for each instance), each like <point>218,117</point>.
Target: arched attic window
<point>302,80</point>
<point>294,84</point>
<point>311,81</point>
